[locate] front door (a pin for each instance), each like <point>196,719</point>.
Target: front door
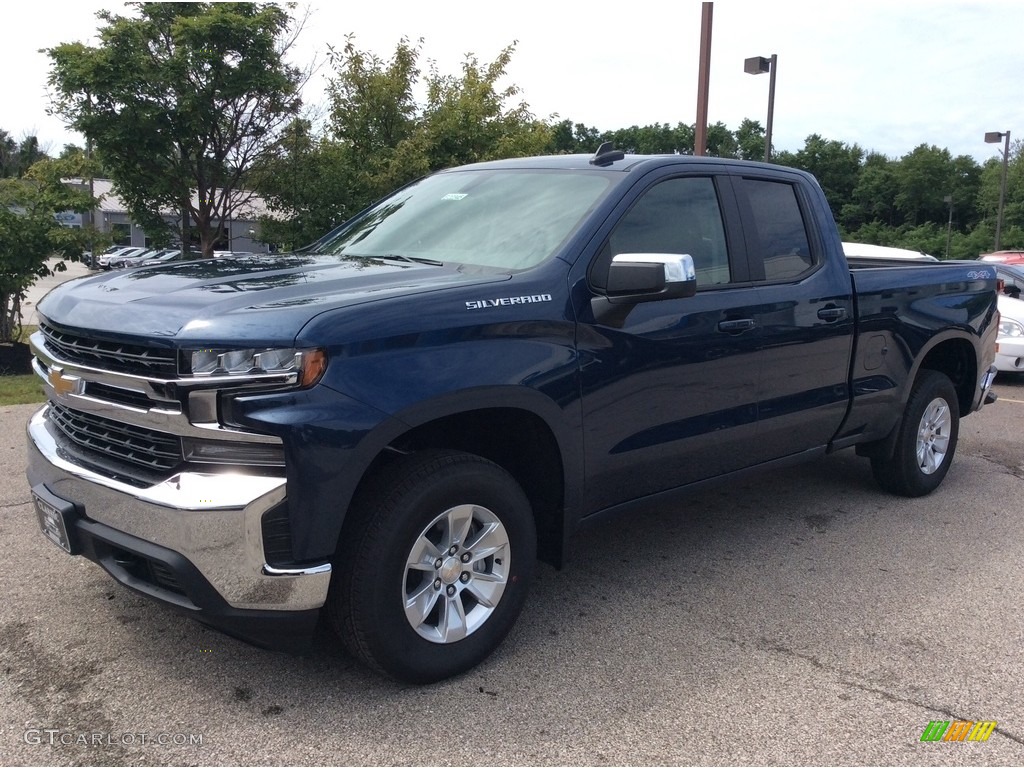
<point>670,397</point>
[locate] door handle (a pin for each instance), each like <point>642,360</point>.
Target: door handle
<point>736,326</point>
<point>831,314</point>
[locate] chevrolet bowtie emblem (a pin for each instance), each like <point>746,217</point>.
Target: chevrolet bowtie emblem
<point>62,385</point>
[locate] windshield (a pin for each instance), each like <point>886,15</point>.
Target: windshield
<point>508,219</point>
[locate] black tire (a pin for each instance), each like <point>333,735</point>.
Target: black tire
<point>392,527</point>
<point>931,423</point>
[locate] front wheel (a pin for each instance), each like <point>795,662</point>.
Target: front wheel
<point>434,566</point>
<point>926,441</point>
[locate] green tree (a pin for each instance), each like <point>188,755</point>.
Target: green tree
<point>568,138</point>
<point>965,186</point>
<point>925,176</point>
<point>379,138</point>
<point>656,139</point>
<point>469,119</point>
<point>307,184</point>
<point>181,102</point>
<point>8,155</point>
<point>990,180</point>
<point>16,157</point>
<point>30,235</point>
<point>873,198</point>
<point>834,164</point>
<point>722,141</point>
<point>373,112</point>
<point>750,140</point>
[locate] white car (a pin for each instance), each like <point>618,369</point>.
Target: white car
<point>107,260</point>
<point>140,258</point>
<point>1010,342</point>
<point>103,260</point>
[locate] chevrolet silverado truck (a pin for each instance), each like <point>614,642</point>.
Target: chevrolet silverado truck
<point>390,427</point>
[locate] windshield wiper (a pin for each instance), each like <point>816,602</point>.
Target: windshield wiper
<point>397,257</point>
<point>412,259</point>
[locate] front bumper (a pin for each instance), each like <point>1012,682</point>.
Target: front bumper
<point>193,541</point>
<point>1010,355</point>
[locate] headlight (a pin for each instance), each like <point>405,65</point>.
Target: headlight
<point>308,363</point>
<point>1010,328</point>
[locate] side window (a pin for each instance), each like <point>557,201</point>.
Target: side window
<point>1011,285</point>
<point>779,226</point>
<point>674,216</point>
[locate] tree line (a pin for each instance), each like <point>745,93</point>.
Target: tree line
<point>377,136</point>
<point>194,108</point>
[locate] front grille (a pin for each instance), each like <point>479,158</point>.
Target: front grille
<point>119,395</point>
<point>137,446</point>
<point>109,355</point>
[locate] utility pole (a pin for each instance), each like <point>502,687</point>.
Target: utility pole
<point>700,134</point>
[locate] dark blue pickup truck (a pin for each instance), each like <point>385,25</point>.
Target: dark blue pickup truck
<point>392,425</point>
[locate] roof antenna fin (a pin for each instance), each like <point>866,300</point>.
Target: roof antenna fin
<point>606,154</point>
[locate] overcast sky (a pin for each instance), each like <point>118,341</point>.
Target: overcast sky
<point>888,75</point>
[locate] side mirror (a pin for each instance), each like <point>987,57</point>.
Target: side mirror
<point>634,278</point>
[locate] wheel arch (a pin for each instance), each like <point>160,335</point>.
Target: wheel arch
<point>954,356</point>
<point>957,358</point>
<point>526,434</point>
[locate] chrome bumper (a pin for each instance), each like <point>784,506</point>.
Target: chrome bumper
<point>211,519</point>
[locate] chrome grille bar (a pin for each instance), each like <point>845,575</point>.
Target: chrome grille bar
<point>135,445</point>
<point>126,358</point>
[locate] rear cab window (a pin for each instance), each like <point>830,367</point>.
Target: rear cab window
<point>776,231</point>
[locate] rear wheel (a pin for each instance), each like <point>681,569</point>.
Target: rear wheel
<point>434,566</point>
<point>927,439</point>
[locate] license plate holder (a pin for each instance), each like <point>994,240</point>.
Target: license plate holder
<point>56,519</point>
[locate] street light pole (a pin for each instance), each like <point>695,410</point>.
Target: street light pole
<point>993,137</point>
<point>755,66</point>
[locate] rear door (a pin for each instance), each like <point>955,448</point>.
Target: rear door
<point>804,313</point>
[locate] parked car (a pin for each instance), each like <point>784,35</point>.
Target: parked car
<point>131,259</point>
<point>1004,257</point>
<point>103,261</point>
<point>110,260</point>
<point>1010,343</point>
<point>138,259</point>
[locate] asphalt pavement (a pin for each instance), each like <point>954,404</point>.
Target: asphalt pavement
<point>802,618</point>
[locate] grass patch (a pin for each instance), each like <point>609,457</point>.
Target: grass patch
<point>17,386</point>
<point>18,390</point>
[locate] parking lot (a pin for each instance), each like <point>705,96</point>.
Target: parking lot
<point>801,618</point>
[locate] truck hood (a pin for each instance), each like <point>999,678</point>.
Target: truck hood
<point>233,297</point>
